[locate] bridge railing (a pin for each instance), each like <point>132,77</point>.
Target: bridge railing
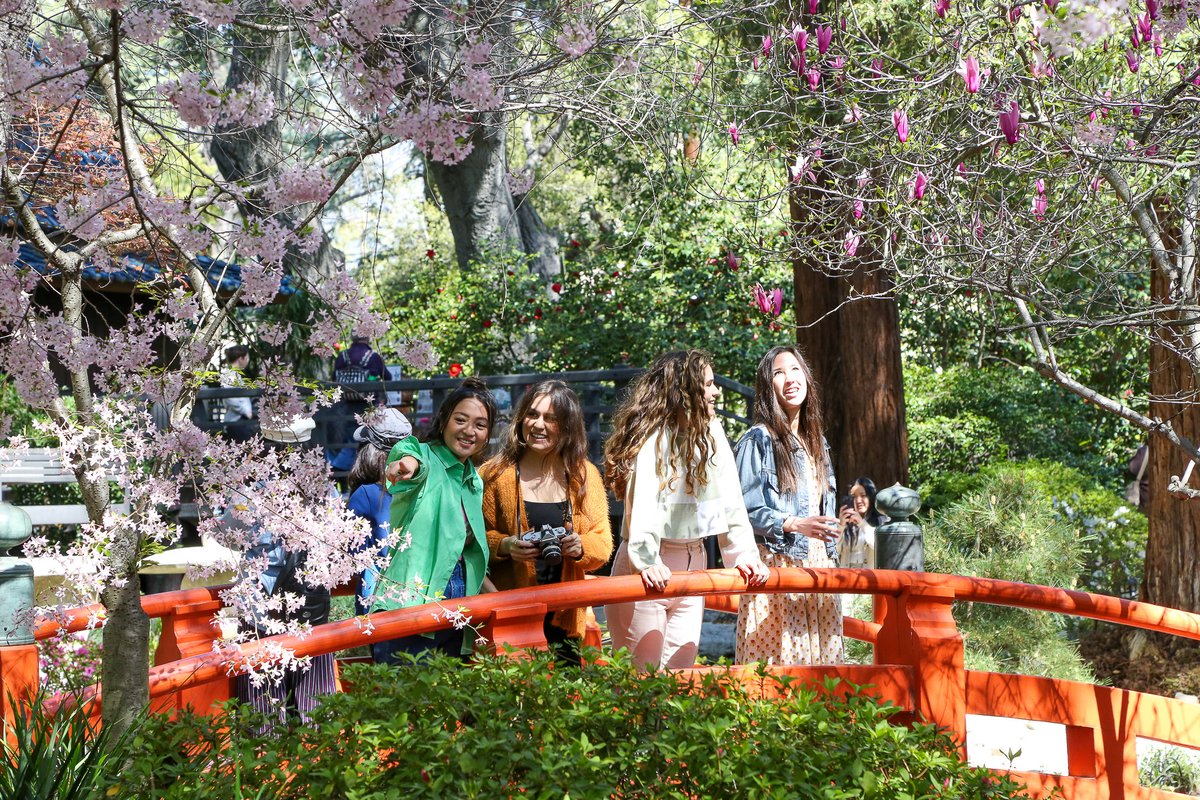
<point>918,657</point>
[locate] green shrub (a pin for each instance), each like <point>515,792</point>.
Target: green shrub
<point>1111,534</point>
<point>59,757</point>
<point>939,446</point>
<point>504,728</point>
<point>1009,529</point>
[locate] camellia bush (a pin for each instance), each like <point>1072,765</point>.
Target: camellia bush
<point>516,728</point>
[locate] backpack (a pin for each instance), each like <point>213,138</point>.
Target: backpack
<point>356,373</point>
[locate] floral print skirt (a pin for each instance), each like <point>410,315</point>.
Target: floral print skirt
<point>799,628</point>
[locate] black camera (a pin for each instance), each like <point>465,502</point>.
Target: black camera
<point>548,541</point>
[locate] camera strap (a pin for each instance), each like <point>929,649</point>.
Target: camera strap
<point>568,518</point>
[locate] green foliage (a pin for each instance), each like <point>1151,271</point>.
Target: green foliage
<point>957,417</point>
<point>1009,529</point>
<point>504,728</point>
<point>1172,769</point>
<point>55,757</point>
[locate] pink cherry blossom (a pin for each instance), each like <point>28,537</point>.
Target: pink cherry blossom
<point>576,39</point>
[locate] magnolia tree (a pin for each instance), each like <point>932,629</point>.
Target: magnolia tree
<point>222,129</point>
<point>1039,154</point>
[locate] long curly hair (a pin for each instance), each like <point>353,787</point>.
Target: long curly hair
<point>769,413</point>
<point>669,396</point>
<point>572,436</point>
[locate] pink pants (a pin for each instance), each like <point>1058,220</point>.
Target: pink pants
<point>660,634</point>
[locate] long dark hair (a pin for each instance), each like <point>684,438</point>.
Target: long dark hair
<point>768,413</point>
<point>669,395</point>
<point>471,389</point>
<point>572,436</point>
<point>872,517</point>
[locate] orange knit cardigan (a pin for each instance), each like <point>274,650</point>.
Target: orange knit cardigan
<point>590,520</point>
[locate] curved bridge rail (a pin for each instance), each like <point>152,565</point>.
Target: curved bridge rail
<point>918,662</point>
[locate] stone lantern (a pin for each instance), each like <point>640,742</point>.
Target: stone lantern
<point>16,578</point>
<point>899,543</point>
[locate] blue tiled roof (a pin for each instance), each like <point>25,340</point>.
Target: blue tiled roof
<point>223,276</point>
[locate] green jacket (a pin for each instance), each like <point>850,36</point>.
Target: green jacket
<point>429,507</point>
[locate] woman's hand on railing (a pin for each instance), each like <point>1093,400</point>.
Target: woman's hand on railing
<point>755,573</point>
<point>656,577</point>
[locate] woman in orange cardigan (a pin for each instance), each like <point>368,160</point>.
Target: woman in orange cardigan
<point>542,482</point>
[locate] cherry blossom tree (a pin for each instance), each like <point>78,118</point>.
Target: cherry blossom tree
<point>194,136</point>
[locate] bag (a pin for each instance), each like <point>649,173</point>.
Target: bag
<point>315,610</point>
<point>356,373</point>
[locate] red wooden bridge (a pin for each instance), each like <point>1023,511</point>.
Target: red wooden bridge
<point>918,657</point>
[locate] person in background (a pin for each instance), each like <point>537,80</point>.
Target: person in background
<point>298,691</point>
<point>437,504</point>
<point>788,485</point>
<point>239,411</point>
<point>542,480</point>
<point>669,459</point>
<point>859,519</point>
<point>368,497</point>
<point>359,363</point>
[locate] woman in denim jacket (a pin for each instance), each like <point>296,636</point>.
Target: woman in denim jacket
<point>790,494</point>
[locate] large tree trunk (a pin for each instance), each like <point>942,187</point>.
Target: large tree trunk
<point>250,155</point>
<point>1172,549</point>
<point>854,352</point>
<point>480,207</point>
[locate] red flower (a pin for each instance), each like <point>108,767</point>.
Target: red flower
<point>575,243</point>
<point>617,274</point>
<point>455,370</point>
<point>556,287</point>
<point>487,323</point>
<point>431,254</point>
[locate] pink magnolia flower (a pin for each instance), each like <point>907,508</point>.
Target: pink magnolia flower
<point>1050,4</point>
<point>814,78</point>
<point>1145,27</point>
<point>962,169</point>
<point>900,121</point>
<point>766,46</point>
<point>1039,200</point>
<point>859,209</point>
<point>968,68</point>
<point>798,63</point>
<point>876,70</point>
<point>1134,39</point>
<point>1136,110</point>
<point>916,187</point>
<point>800,37</point>
<point>941,8</point>
<point>734,135</point>
<point>698,73</point>
<point>824,38</point>
<point>851,243</point>
<point>1152,9</point>
<point>812,6</point>
<point>853,114</point>
<point>1131,58</point>
<point>1010,123</point>
<point>754,63</point>
<point>838,63</point>
<point>802,170</point>
<point>1014,14</point>
<point>1156,41</point>
<point>1095,185</point>
<point>977,227</point>
<point>732,260</point>
<point>768,301</point>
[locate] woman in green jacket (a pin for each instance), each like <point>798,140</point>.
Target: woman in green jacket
<point>437,512</point>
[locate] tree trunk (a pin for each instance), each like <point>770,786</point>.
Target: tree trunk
<point>483,215</point>
<point>250,155</point>
<point>1172,576</point>
<point>854,353</point>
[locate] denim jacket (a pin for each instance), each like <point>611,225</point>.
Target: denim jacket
<point>768,508</point>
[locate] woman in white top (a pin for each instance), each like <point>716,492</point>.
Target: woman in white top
<point>669,458</point>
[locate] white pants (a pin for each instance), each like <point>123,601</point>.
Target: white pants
<point>660,634</point>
